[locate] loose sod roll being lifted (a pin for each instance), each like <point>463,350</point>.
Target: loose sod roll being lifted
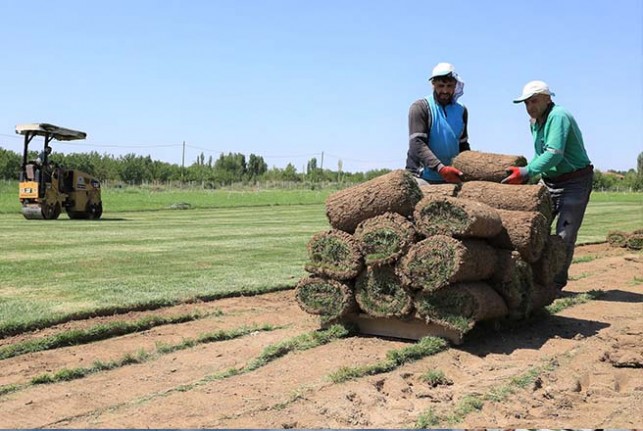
<point>396,192</point>
<point>384,238</point>
<point>479,166</point>
<point>379,293</point>
<point>509,197</point>
<point>334,254</point>
<point>462,218</point>
<point>440,260</point>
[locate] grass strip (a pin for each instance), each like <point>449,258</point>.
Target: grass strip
<point>475,402</point>
<point>67,374</point>
<point>7,330</point>
<point>96,333</point>
<point>426,346</point>
<point>301,342</point>
<point>581,298</point>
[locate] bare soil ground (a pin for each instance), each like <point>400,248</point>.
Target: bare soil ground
<point>596,380</point>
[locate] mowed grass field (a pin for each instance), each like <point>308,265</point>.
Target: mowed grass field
<point>143,255</point>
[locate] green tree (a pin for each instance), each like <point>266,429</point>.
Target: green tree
<point>256,167</point>
<point>9,164</point>
<point>290,173</point>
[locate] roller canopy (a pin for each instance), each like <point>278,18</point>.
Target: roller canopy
<point>44,129</point>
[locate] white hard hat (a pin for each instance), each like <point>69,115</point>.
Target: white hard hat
<point>442,69</point>
<point>532,88</point>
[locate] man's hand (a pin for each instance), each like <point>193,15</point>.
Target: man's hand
<point>450,174</point>
<point>516,175</point>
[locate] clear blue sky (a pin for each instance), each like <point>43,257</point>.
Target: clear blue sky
<point>290,79</point>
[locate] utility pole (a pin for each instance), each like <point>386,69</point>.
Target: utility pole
<point>322,162</point>
<point>183,162</point>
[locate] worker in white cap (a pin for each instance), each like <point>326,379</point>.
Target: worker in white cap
<point>560,160</point>
<point>438,129</point>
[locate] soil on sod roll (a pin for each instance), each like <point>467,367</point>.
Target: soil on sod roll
<point>379,293</point>
<point>509,196</point>
<point>617,238</point>
<point>384,238</point>
<point>457,217</point>
<point>396,192</point>
<point>513,280</point>
<point>334,254</point>
<point>326,297</point>
<point>440,260</point>
<point>450,190</point>
<point>551,260</point>
<point>523,231</point>
<point>460,305</point>
<point>479,166</point>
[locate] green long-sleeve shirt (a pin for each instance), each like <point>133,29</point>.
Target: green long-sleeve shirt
<point>558,143</point>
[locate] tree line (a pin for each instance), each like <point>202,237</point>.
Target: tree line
<point>234,168</point>
<point>227,169</point>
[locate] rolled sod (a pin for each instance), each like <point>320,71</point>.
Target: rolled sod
<point>325,297</point>
<point>396,191</point>
<point>513,280</point>
<point>334,254</point>
<point>509,196</point>
<point>551,261</point>
<point>379,293</point>
<point>460,305</point>
<point>440,260</point>
<point>462,218</point>
<point>617,238</point>
<point>450,190</point>
<point>479,166</point>
<point>384,238</point>
<point>523,231</point>
<point>635,241</point>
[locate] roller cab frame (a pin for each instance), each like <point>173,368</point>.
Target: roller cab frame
<point>46,189</point>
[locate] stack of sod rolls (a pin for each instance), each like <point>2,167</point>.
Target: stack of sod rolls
<point>443,254</point>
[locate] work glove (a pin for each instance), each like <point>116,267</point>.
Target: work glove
<point>516,175</point>
<point>450,174</point>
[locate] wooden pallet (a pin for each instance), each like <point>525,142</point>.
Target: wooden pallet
<point>412,329</point>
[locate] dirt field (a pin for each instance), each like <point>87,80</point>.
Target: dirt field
<point>593,355</point>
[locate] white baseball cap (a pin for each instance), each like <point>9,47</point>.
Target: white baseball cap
<point>532,88</point>
<point>443,69</point>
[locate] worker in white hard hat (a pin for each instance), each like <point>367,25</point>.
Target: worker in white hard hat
<point>438,129</point>
<point>560,160</point>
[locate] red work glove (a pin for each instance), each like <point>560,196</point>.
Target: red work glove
<point>516,175</point>
<point>450,174</point>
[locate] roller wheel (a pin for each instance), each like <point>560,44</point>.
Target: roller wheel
<point>51,212</point>
<point>95,211</point>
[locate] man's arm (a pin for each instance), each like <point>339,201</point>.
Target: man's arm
<point>419,154</point>
<point>554,149</point>
<point>464,138</point>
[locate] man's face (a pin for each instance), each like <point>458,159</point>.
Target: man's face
<point>444,88</point>
<point>537,105</point>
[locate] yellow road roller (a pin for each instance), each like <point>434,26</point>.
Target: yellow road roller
<point>46,189</point>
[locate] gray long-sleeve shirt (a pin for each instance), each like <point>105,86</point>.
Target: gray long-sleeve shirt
<point>420,154</point>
